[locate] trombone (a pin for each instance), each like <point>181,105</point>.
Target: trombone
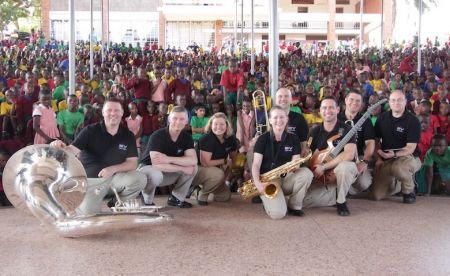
<point>260,106</point>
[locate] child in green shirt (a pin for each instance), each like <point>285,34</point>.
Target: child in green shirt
<point>198,122</point>
<point>439,155</point>
<point>70,120</point>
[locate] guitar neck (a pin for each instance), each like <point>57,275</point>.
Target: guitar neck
<point>354,129</point>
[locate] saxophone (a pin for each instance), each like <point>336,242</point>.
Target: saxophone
<point>249,190</point>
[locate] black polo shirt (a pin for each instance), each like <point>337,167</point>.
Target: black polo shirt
<point>160,141</point>
<point>365,132</point>
<point>276,153</point>
<point>320,136</point>
<point>297,125</point>
<point>210,143</point>
<point>99,149</point>
<point>395,133</point>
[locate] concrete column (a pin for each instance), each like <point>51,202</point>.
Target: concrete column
<point>361,25</point>
<point>273,47</point>
<point>91,41</point>
<point>331,31</point>
<point>45,18</point>
<point>387,34</point>
<point>218,34</point>
<point>162,30</point>
<point>72,47</point>
<point>105,21</point>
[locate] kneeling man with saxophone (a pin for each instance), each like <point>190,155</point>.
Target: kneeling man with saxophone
<point>277,153</point>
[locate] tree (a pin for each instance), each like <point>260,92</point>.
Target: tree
<point>426,5</point>
<point>11,11</point>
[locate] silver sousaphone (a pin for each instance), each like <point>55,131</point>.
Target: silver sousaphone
<point>51,183</point>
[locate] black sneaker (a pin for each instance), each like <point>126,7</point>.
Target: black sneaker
<point>298,213</point>
<point>342,209</point>
<point>409,198</point>
<point>256,200</point>
<point>202,203</point>
<point>112,202</point>
<point>173,201</point>
<point>192,189</point>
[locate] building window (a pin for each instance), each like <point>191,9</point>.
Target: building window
<point>184,33</point>
<point>304,2</point>
<point>302,9</point>
<point>280,37</point>
<point>342,2</point>
<point>339,10</point>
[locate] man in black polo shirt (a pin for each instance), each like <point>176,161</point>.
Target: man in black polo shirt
<point>398,132</point>
<point>327,194</point>
<point>170,158</point>
<point>297,123</point>
<point>272,150</point>
<point>109,155</point>
<point>365,140</point>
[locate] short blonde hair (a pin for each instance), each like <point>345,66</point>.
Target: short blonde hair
<point>220,115</point>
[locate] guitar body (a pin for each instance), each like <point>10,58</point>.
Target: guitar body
<point>326,155</point>
<point>321,157</point>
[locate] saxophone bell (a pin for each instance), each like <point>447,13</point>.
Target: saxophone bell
<point>271,190</point>
<point>272,179</point>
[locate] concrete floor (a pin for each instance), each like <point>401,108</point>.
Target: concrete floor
<point>237,238</point>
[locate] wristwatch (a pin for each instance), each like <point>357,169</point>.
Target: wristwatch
<point>364,161</point>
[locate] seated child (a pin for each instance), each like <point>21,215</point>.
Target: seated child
<point>134,123</point>
<point>198,122</point>
<point>4,156</point>
<point>70,120</point>
<point>425,135</point>
<point>439,156</point>
<point>149,123</point>
<point>245,125</point>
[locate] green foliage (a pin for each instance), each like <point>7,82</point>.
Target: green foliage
<point>426,4</point>
<point>11,11</point>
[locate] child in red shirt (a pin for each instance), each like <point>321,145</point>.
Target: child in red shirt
<point>444,122</point>
<point>4,156</point>
<point>425,135</point>
<point>149,123</point>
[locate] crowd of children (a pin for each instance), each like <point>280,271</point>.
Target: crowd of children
<point>36,106</point>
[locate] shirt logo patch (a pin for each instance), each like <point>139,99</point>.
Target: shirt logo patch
<point>400,129</point>
<point>288,148</point>
<point>123,147</point>
<point>179,151</point>
<point>291,129</point>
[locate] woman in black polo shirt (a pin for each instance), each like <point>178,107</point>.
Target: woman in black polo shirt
<point>216,147</point>
<point>273,149</point>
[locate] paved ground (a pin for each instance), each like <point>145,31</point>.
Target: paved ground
<point>237,238</point>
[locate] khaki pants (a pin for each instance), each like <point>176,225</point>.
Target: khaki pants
<point>401,169</point>
<point>320,195</point>
<point>156,178</point>
<point>128,185</point>
<point>211,180</point>
<point>362,183</point>
<point>294,186</point>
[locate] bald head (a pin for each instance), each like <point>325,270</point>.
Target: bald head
<point>283,98</point>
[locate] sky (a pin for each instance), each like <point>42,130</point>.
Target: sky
<point>435,22</point>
